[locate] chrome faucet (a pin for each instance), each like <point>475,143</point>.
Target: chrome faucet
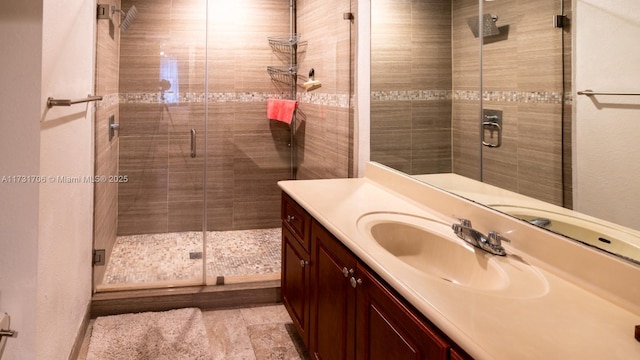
<point>492,243</point>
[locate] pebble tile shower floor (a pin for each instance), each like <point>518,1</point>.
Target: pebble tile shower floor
<point>175,256</point>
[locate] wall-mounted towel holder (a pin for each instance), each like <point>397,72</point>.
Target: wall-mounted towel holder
<point>590,92</point>
<point>4,327</point>
<point>8,333</point>
<point>51,102</point>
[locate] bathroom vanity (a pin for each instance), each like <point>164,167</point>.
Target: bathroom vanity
<point>372,270</point>
<point>338,305</point>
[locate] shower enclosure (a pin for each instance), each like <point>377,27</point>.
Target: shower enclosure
<point>195,201</point>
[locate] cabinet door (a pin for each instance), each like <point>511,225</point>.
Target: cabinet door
<point>387,329</point>
<point>295,283</point>
<point>332,314</point>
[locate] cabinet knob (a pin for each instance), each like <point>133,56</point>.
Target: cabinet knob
<point>304,263</point>
<point>354,282</point>
<point>290,218</point>
<point>347,272</point>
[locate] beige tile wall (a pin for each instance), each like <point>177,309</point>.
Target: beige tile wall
<point>411,55</point>
<point>466,158</point>
<point>324,125</point>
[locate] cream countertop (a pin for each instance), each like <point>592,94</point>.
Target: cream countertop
<point>572,319</point>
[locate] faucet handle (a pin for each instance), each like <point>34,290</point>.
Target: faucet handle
<point>464,222</point>
<point>496,239</point>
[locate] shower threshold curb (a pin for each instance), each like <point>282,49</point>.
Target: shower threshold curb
<point>203,297</point>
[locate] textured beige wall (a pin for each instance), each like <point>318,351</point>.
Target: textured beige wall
<point>66,149</point>
<point>45,270</point>
<point>607,127</point>
<point>21,103</point>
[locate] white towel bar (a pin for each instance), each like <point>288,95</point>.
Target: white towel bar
<point>589,92</point>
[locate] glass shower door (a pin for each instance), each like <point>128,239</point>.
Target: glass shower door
<point>247,154</point>
<point>522,82</point>
<point>160,107</point>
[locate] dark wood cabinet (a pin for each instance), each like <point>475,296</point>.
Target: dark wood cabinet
<point>333,303</point>
<point>455,354</point>
<point>343,310</point>
<point>387,329</point>
<point>296,264</point>
<point>295,285</point>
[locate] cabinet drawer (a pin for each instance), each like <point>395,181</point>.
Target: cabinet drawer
<point>297,220</point>
<point>295,283</point>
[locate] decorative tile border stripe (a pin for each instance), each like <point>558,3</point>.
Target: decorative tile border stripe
<point>411,95</point>
<point>470,95</point>
<point>107,101</point>
<point>538,97</point>
<point>340,100</point>
<point>568,98</point>
<point>193,97</point>
<point>336,100</point>
<point>317,98</point>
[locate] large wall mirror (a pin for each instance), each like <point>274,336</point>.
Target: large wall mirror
<point>486,99</point>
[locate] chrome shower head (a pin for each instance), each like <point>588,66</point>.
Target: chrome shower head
<point>489,27</point>
<point>129,16</point>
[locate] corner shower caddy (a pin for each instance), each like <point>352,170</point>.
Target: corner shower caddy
<point>285,77</point>
<point>285,47</point>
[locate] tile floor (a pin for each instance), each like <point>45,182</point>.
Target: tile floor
<point>152,258</point>
<point>254,333</point>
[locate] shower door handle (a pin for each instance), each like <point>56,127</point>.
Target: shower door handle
<point>193,143</point>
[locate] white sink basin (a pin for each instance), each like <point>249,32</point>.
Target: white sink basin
<point>430,247</point>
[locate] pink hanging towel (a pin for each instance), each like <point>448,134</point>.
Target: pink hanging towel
<point>281,110</point>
